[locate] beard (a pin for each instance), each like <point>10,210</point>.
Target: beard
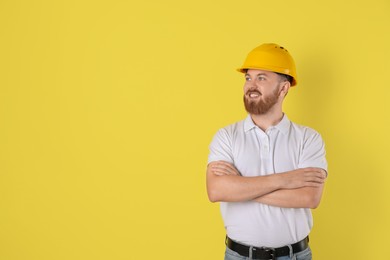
<point>261,106</point>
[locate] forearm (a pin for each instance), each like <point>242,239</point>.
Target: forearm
<point>306,197</point>
<point>231,188</point>
<point>225,183</point>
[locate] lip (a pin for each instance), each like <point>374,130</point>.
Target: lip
<point>253,94</point>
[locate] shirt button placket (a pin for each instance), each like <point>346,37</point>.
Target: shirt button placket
<point>265,147</point>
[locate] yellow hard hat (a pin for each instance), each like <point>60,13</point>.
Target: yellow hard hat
<point>271,57</point>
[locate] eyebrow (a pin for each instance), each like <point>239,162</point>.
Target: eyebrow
<point>259,74</point>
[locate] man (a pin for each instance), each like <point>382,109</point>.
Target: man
<point>267,171</point>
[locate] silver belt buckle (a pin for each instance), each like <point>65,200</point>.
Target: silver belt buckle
<point>266,251</point>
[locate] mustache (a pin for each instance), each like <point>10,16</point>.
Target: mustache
<point>251,91</point>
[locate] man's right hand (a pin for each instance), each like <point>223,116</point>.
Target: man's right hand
<point>304,177</point>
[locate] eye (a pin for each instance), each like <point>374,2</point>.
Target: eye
<point>247,78</point>
<point>261,78</point>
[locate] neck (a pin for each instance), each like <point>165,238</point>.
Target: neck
<point>267,120</point>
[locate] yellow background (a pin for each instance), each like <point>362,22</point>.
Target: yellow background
<point>107,109</point>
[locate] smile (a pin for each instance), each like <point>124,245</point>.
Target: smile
<point>253,94</point>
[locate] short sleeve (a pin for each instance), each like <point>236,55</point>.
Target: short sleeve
<point>313,151</point>
<point>221,147</point>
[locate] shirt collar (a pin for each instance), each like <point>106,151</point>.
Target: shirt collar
<point>248,123</point>
<point>283,126</point>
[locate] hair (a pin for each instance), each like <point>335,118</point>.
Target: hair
<point>285,77</point>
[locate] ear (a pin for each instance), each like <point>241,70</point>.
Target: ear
<point>284,88</point>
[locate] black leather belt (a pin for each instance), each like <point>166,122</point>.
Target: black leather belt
<point>266,253</point>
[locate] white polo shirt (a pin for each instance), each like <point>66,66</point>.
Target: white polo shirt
<point>283,147</point>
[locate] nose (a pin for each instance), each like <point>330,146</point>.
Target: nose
<point>250,85</point>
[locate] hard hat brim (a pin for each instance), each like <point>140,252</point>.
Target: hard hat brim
<point>243,70</point>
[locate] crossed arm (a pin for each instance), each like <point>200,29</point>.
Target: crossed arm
<point>301,188</point>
